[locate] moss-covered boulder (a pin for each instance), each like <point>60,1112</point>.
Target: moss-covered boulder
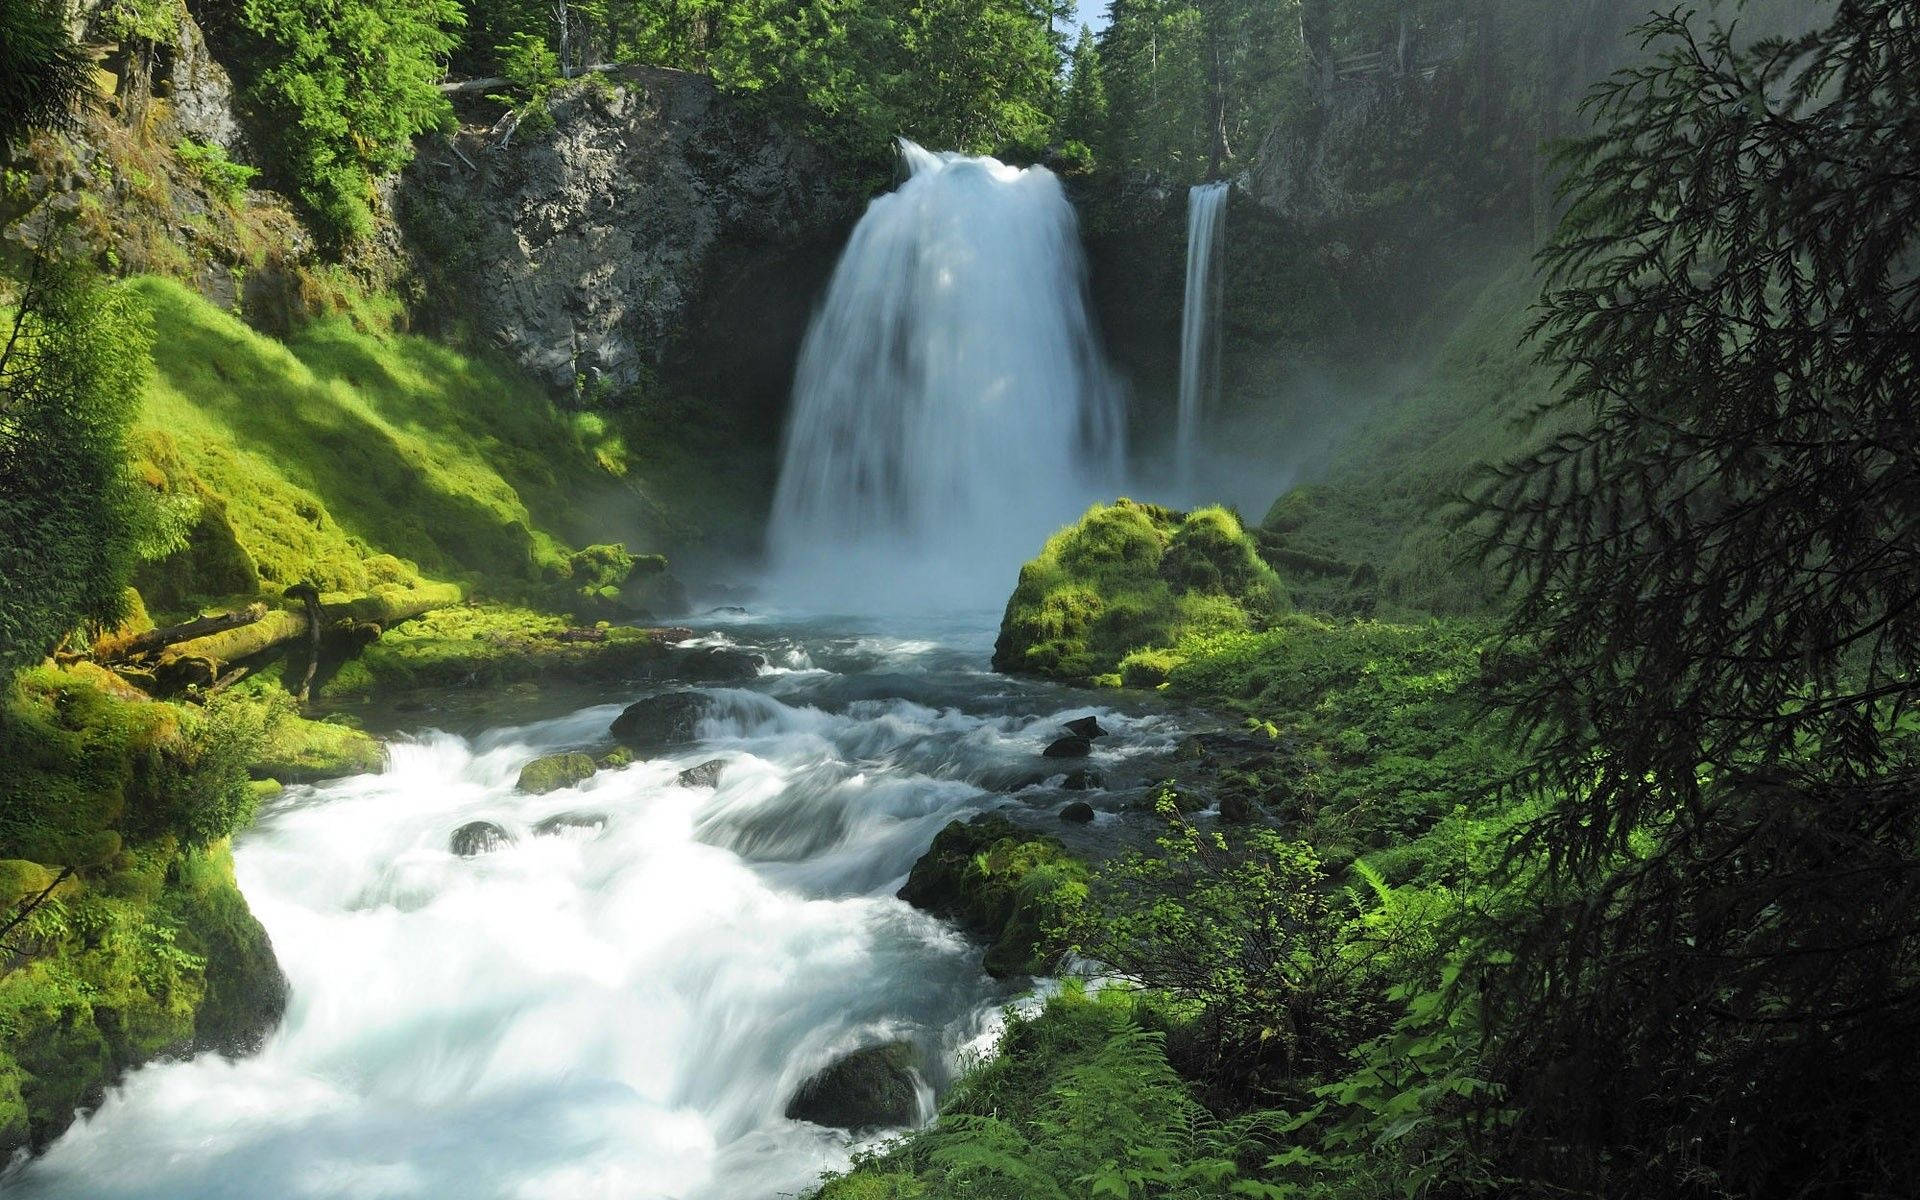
<point>556,771</point>
<point>1131,578</point>
<point>297,750</point>
<point>877,1087</point>
<point>1003,884</point>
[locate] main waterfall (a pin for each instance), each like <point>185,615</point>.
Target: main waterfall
<point>1199,322</point>
<point>952,405</point>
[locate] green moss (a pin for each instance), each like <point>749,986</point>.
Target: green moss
<point>554,772</point>
<point>1130,578</point>
<point>298,750</point>
<point>1003,884</point>
<point>486,645</point>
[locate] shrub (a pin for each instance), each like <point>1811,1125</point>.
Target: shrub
<point>225,178</point>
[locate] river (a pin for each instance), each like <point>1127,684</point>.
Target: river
<point>620,1012</point>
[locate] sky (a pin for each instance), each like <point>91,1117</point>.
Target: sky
<point>1092,12</point>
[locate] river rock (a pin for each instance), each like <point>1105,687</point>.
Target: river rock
<point>714,664</point>
<point>1074,746</point>
<point>1077,813</point>
<point>662,722</point>
<point>1086,727</point>
<point>477,838</point>
<point>873,1088</point>
<point>554,772</point>
<point>561,824</point>
<point>1083,780</point>
<point>706,775</point>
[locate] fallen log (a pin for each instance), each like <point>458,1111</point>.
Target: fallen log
<point>281,625</point>
<point>120,649</point>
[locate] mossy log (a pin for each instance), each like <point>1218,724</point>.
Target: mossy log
<point>280,626</point>
<point>119,649</point>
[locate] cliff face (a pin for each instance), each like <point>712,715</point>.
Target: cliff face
<point>632,240</point>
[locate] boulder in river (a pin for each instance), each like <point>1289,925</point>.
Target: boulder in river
<point>1073,746</point>
<point>1083,780</point>
<point>554,772</point>
<point>714,664</point>
<point>1086,727</point>
<point>477,838</point>
<point>662,722</point>
<point>1077,813</point>
<point>706,775</point>
<point>873,1088</point>
<point>561,824</point>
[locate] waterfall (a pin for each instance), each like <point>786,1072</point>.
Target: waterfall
<point>1200,322</point>
<point>952,405</point>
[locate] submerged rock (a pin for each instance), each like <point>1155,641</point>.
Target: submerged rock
<point>1086,727</point>
<point>554,772</point>
<point>560,824</point>
<point>478,837</point>
<point>706,775</point>
<point>1083,780</point>
<point>661,722</point>
<point>714,664</point>
<point>1074,746</point>
<point>873,1088</point>
<point>1078,813</point>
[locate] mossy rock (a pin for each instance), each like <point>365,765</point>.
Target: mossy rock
<point>554,772</point>
<point>301,751</point>
<point>1130,578</point>
<point>1001,883</point>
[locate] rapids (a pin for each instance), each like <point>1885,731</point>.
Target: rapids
<point>620,1015</point>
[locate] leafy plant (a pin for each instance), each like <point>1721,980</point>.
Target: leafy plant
<point>225,178</point>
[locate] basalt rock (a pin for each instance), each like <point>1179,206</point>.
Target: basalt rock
<point>873,1088</point>
<point>661,723</point>
<point>1086,727</point>
<point>561,824</point>
<point>479,837</point>
<point>1070,747</point>
<point>706,775</point>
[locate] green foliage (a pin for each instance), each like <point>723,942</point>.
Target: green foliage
<point>339,90</point>
<point>1133,577</point>
<point>225,178</point>
<point>44,75</point>
<point>1242,928</point>
<point>71,517</point>
<point>1079,1101</point>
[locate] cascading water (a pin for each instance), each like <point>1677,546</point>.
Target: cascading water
<point>617,1007</point>
<point>952,405</point>
<point>1200,323</point>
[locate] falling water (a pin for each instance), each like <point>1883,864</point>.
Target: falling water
<point>1200,321</point>
<point>952,405</point>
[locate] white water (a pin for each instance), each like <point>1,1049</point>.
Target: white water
<point>952,405</point>
<point>1200,324</point>
<point>619,1016</point>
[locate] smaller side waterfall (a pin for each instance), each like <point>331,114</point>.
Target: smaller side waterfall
<point>1200,321</point>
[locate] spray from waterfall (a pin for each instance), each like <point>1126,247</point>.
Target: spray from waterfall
<point>952,405</point>
<point>1200,323</point>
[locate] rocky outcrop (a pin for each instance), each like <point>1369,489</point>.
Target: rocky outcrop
<point>595,251</point>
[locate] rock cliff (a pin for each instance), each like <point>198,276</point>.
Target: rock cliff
<point>631,240</point>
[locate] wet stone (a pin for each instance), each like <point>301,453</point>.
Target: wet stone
<point>1077,813</point>
<point>1070,747</point>
<point>706,775</point>
<point>1086,727</point>
<point>478,837</point>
